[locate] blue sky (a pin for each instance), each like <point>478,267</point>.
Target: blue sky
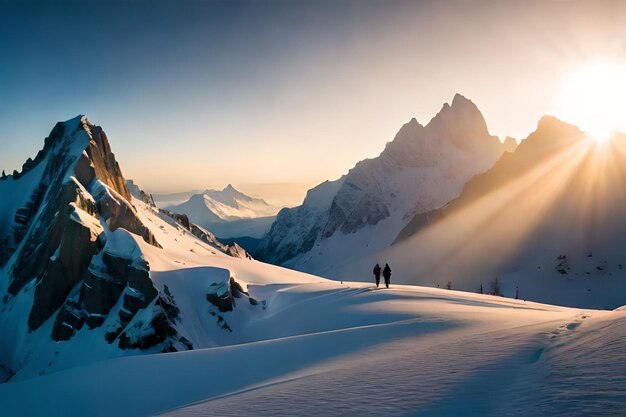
<point>200,94</point>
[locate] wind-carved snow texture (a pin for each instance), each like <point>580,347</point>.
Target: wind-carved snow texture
<point>470,371</point>
<point>423,168</point>
<point>335,349</point>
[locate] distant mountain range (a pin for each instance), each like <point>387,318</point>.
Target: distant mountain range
<point>172,199</point>
<point>228,212</point>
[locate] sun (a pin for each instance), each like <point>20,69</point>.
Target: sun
<point>593,97</point>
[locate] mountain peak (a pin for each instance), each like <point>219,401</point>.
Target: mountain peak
<point>461,100</point>
<point>462,123</point>
<point>555,126</point>
<point>229,187</point>
<point>550,132</point>
<point>461,108</point>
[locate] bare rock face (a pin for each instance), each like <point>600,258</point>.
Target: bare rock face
<point>223,295</point>
<point>118,213</point>
<point>117,272</point>
<point>78,244</point>
<point>103,160</point>
<point>99,292</point>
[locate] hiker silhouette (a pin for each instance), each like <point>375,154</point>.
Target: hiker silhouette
<point>377,274</point>
<point>387,275</point>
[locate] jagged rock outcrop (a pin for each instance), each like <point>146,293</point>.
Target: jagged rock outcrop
<point>140,194</point>
<point>223,295</point>
<point>73,240</point>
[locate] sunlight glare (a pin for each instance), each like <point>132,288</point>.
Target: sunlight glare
<point>594,97</point>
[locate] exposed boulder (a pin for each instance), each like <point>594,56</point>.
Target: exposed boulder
<point>237,251</point>
<point>223,294</point>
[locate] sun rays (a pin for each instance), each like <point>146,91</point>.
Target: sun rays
<point>552,195</point>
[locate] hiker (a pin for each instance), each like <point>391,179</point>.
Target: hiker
<point>377,274</point>
<point>387,275</point>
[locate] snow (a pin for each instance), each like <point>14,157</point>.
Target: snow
<point>351,349</point>
<point>123,244</point>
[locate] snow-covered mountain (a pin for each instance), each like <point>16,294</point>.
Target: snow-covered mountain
<point>549,220</point>
<point>228,212</point>
<point>73,263</point>
<point>361,213</point>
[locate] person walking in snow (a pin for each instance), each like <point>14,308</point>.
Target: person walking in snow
<point>387,275</point>
<point>377,274</point>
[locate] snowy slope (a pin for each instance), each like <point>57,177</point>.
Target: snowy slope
<point>548,219</point>
<point>423,168</point>
<point>404,351</point>
<point>257,339</point>
<point>228,212</point>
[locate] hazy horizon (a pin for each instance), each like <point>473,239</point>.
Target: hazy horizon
<point>284,92</point>
<point>288,194</point>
